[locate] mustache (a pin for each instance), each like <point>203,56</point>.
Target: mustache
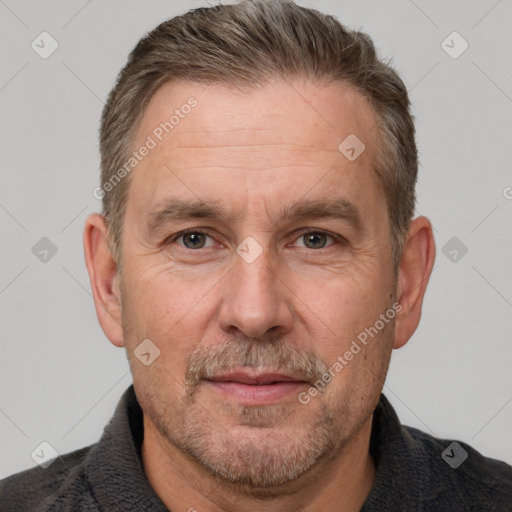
<point>275,354</point>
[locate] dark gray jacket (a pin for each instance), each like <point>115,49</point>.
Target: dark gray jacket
<point>415,472</point>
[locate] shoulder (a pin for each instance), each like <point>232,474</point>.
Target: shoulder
<point>416,471</point>
<point>460,474</point>
<point>35,488</point>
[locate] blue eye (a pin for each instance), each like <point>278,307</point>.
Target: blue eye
<point>315,239</point>
<point>194,239</point>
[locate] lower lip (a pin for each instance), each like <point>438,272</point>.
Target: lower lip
<point>252,394</point>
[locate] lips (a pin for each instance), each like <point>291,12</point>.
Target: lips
<point>256,388</point>
<point>261,379</point>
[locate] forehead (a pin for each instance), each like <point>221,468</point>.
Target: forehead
<point>283,136</point>
<point>279,112</point>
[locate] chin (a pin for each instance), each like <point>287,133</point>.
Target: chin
<point>260,455</point>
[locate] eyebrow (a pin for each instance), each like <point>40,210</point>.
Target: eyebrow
<point>174,210</point>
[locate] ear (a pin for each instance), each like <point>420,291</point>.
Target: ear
<point>102,270</point>
<point>418,257</point>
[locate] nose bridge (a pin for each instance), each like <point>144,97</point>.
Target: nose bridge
<point>254,276</point>
<point>254,300</point>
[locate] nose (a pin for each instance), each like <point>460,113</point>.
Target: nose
<point>255,301</point>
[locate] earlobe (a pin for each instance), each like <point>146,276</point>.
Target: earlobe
<point>103,276</point>
<point>418,257</point>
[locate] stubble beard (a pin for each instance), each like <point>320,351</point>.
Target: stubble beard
<point>261,454</point>
<point>268,448</point>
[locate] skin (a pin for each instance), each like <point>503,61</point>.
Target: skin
<point>255,152</point>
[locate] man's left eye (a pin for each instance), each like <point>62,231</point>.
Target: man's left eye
<point>314,240</point>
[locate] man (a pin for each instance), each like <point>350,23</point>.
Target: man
<point>258,260</point>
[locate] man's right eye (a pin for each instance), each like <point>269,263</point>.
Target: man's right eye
<point>193,239</point>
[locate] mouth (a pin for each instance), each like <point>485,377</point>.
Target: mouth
<point>256,388</point>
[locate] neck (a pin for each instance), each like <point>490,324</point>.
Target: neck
<point>340,483</point>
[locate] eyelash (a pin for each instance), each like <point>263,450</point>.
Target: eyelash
<point>203,231</point>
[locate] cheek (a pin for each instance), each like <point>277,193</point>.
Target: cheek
<point>357,370</point>
<point>161,298</point>
<point>344,302</point>
<point>162,306</point>
<point>342,315</point>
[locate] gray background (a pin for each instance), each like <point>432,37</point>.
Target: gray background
<point>60,378</point>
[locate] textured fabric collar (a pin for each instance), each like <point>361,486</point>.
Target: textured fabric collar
<point>114,465</point>
<point>397,473</point>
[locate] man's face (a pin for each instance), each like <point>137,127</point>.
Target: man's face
<point>254,303</point>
